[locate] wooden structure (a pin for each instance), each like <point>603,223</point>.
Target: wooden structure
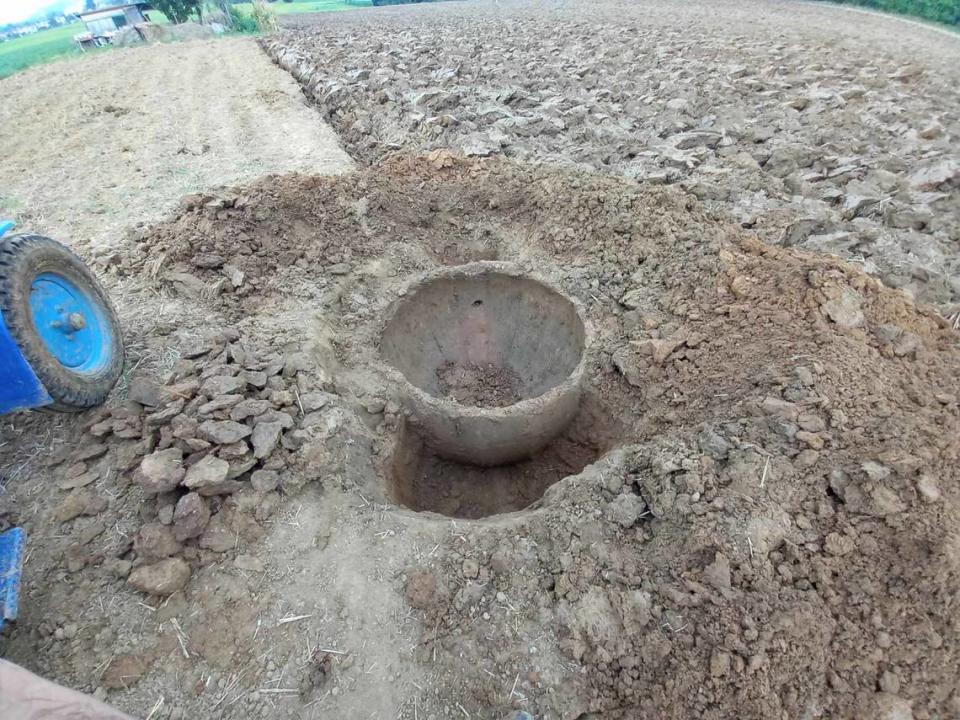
<point>102,23</point>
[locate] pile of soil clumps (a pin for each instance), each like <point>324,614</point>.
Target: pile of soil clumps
<point>208,446</point>
<point>771,527</point>
<point>836,145</point>
<point>787,465</point>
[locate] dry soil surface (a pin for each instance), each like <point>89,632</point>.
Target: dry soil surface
<point>767,528</point>
<point>94,146</point>
<point>833,130</point>
<point>755,515</point>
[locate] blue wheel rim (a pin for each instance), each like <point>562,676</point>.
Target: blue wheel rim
<point>72,325</point>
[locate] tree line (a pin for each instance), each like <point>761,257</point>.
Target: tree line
<point>942,11</point>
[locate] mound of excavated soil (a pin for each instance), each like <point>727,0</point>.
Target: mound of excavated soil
<point>770,529</point>
<point>818,130</point>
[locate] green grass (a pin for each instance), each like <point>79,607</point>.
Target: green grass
<point>46,45</point>
<point>15,55</point>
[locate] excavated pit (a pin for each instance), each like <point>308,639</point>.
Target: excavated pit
<point>746,536</point>
<point>418,479</point>
<point>488,361</point>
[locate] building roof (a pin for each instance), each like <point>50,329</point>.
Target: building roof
<point>112,9</point>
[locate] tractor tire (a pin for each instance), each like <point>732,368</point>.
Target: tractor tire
<point>78,364</point>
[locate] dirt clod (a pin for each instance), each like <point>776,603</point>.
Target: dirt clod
<point>160,471</point>
<point>222,432</point>
<point>207,476</point>
<point>190,517</point>
<point>155,541</point>
<point>421,591</point>
<point>162,578</point>
<point>124,671</point>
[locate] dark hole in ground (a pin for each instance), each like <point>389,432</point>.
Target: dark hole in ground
<point>418,479</point>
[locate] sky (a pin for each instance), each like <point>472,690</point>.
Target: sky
<point>16,10</point>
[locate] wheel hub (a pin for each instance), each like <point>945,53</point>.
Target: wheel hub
<point>68,323</point>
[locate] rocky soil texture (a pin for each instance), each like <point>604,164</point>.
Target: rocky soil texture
<point>221,430</point>
<point>831,130</point>
<point>770,527</point>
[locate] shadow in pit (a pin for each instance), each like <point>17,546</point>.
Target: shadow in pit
<point>419,480</point>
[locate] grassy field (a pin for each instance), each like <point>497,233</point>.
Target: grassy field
<point>15,55</point>
<point>45,45</point>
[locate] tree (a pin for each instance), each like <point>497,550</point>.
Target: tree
<point>177,10</point>
<point>89,5</point>
<point>944,11</point>
<point>224,7</point>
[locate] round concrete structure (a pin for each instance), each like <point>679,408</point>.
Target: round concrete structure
<point>492,316</point>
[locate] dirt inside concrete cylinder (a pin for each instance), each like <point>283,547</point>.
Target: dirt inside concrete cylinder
<point>478,384</point>
<point>465,345</point>
<point>487,339</point>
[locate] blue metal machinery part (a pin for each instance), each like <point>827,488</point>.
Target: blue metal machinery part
<point>73,328</point>
<point>11,564</point>
<point>20,388</point>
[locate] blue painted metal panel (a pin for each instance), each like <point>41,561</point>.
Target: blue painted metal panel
<point>11,566</point>
<point>20,389</point>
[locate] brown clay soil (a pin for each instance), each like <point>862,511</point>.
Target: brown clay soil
<point>417,478</point>
<point>770,529</point>
<point>815,126</point>
<point>755,514</point>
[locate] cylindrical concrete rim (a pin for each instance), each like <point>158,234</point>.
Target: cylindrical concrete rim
<point>524,427</point>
